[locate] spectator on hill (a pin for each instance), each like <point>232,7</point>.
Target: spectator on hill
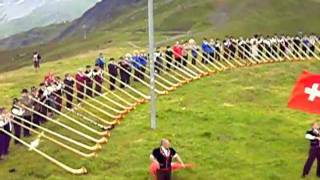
<point>314,153</point>
<point>36,61</point>
<point>101,61</point>
<point>163,157</point>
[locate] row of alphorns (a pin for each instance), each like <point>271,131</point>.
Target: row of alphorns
<point>116,104</point>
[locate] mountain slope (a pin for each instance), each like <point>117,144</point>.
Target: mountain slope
<point>108,26</point>
<point>45,13</point>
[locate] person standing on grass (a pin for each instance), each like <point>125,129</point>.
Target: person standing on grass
<point>5,124</point>
<point>162,157</point>
<point>36,61</point>
<point>113,71</point>
<point>314,153</point>
<point>101,61</point>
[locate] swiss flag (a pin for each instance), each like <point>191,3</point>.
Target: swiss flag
<point>306,93</point>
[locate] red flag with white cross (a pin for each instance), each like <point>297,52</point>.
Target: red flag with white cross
<point>306,93</point>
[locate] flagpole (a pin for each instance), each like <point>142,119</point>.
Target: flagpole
<point>153,118</point>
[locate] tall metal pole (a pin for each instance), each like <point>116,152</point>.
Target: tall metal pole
<point>153,112</point>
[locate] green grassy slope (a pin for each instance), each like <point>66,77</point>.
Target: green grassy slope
<point>214,18</point>
<point>233,125</point>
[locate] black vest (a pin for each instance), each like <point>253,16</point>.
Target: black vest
<point>315,142</point>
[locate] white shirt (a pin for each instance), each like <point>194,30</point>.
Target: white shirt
<point>310,137</point>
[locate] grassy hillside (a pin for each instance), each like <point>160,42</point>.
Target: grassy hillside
<point>214,18</point>
<point>233,125</point>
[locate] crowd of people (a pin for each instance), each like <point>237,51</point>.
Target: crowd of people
<point>88,82</point>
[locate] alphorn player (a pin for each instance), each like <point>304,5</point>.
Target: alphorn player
<point>17,111</point>
<point>5,124</point>
<point>80,77</point>
<point>113,71</point>
<point>124,71</point>
<point>89,80</point>
<point>98,77</point>
<point>69,84</point>
<point>177,53</point>
<point>163,156</point>
<point>26,101</point>
<point>169,57</point>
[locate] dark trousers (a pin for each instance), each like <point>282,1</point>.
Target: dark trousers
<point>80,92</point>
<point>89,86</point>
<point>58,103</point>
<point>26,131</point>
<point>5,141</point>
<point>36,119</point>
<point>314,153</point>
<point>164,174</point>
<point>112,83</point>
<point>98,88</point>
<point>69,100</point>
<point>205,58</point>
<point>170,61</point>
<point>184,61</point>
<point>193,60</point>
<point>17,129</point>
<point>177,62</point>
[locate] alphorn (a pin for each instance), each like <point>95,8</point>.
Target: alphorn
<point>143,82</point>
<point>200,72</point>
<point>89,112</point>
<point>100,102</point>
<point>309,50</point>
<point>100,141</point>
<point>131,106</point>
<point>156,81</point>
<point>246,54</point>
<point>144,96</point>
<point>79,171</point>
<point>249,54</point>
<point>184,69</point>
<point>211,63</point>
<point>186,79</point>
<point>224,59</point>
<point>76,151</point>
<point>158,76</point>
<point>104,133</point>
<point>210,71</point>
<point>186,75</point>
<point>95,107</point>
<point>76,106</point>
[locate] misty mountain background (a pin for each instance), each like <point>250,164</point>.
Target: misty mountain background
<point>22,15</point>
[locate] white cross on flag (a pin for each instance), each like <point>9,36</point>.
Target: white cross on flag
<point>306,93</point>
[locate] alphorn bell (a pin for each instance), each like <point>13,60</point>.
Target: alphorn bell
<point>92,106</point>
<point>95,107</point>
<point>104,133</point>
<point>76,106</point>
<point>79,171</point>
<point>76,151</point>
<point>99,102</point>
<point>100,141</point>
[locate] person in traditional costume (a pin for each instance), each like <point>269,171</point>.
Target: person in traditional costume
<point>68,87</point>
<point>162,157</point>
